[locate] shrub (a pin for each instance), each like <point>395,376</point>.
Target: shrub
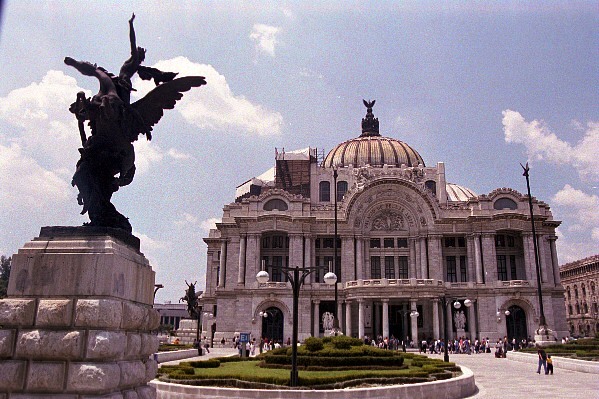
<point>313,344</point>
<point>205,364</point>
<point>345,342</point>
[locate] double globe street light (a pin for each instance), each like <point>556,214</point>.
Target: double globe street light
<point>296,276</point>
<point>456,305</point>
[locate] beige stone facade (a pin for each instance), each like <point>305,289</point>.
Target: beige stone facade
<point>408,239</point>
<point>581,283</point>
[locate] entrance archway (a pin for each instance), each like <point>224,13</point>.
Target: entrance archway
<point>516,324</point>
<point>272,324</point>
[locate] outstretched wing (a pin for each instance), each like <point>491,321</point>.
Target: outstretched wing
<point>148,110</point>
<point>369,104</point>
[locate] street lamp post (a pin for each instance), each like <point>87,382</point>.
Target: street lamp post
<point>336,316</point>
<point>543,331</point>
<point>296,276</point>
<point>456,305</point>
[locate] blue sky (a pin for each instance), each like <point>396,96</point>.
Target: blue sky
<point>481,86</point>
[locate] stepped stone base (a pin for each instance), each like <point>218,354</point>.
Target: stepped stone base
<point>187,331</point>
<point>78,319</point>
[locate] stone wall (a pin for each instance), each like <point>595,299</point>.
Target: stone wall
<point>78,320</point>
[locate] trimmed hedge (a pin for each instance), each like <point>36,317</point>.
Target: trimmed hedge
<point>323,361</point>
<point>205,364</point>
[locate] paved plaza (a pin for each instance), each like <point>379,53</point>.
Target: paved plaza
<point>502,378</point>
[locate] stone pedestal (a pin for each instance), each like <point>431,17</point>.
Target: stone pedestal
<point>77,322</point>
<point>460,332</point>
<point>187,331</point>
<point>544,336</point>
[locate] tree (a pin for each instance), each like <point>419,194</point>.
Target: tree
<point>5,264</point>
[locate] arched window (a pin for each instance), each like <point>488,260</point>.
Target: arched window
<point>569,293</point>
<point>324,191</point>
<point>576,291</point>
<point>585,308</point>
<point>277,204</point>
<point>505,203</point>
<point>341,189</point>
<point>577,308</point>
<point>584,291</point>
<point>592,288</point>
<point>432,186</point>
<point>569,309</point>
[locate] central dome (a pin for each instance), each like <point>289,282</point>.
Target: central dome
<point>371,148</point>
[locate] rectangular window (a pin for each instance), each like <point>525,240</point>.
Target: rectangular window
<point>389,267</point>
<point>461,242</point>
<point>388,242</point>
<point>327,242</point>
<point>501,268</point>
<point>277,241</point>
<point>375,267</point>
<point>317,243</point>
<point>463,269</point>
<point>265,242</point>
<point>328,262</point>
<point>403,267</point>
<point>451,269</point>
<point>449,242</point>
<point>513,267</point>
<point>275,269</point>
<point>402,243</point>
<point>500,240</point>
<point>510,241</point>
<point>375,243</point>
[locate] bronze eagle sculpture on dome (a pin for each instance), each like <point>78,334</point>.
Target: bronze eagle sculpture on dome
<point>115,124</point>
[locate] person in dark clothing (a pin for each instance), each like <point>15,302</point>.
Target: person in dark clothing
<point>542,360</point>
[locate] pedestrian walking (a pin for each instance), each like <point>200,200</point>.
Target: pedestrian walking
<point>542,360</point>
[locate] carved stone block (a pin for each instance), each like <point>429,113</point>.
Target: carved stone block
<point>6,342</point>
<point>93,377</point>
<point>17,312</point>
<point>106,345</point>
<point>54,312</point>
<point>44,344</point>
<point>46,376</point>
<point>98,313</point>
<point>12,375</point>
<point>133,373</point>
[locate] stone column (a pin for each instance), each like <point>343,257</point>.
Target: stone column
<point>385,318</point>
<point>542,259</point>
<point>435,318</point>
<point>78,318</point>
<point>348,318</point>
<point>361,318</point>
<point>308,251</point>
<point>241,272</point>
<point>347,259</point>
<point>366,259</point>
<point>360,258</point>
<point>472,321</point>
<point>223,257</point>
<point>470,258</point>
<point>554,262</point>
<point>295,250</point>
<point>340,312</point>
<point>316,320</point>
<point>489,258</point>
<point>417,258</point>
<point>435,261</point>
<point>477,259</point>
<point>423,259</point>
<point>412,260</point>
<point>414,322</point>
<point>252,259</point>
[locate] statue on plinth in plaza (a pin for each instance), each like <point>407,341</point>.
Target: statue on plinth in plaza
<point>107,159</point>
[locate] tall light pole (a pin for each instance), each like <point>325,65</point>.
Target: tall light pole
<point>456,305</point>
<point>336,318</point>
<point>543,330</point>
<point>296,276</point>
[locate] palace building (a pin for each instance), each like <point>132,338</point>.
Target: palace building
<point>581,282</point>
<point>408,242</point>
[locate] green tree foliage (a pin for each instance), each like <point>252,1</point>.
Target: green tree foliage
<point>5,264</point>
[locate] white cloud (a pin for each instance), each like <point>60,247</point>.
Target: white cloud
<point>26,184</point>
<point>265,37</point>
<point>214,106</point>
<point>150,246</point>
<point>209,224</point>
<point>542,144</point>
<point>178,155</point>
<point>581,222</point>
<point>45,129</point>
<point>186,219</point>
<point>146,154</point>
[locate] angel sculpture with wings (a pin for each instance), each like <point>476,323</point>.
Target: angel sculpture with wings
<point>115,124</point>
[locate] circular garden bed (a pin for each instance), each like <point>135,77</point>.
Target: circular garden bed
<point>327,363</point>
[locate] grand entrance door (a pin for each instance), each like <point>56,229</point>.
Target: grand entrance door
<point>272,324</point>
<point>516,324</point>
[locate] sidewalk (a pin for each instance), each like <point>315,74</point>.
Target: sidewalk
<point>497,378</point>
<point>507,379</point>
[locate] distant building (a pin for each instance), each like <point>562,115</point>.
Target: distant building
<point>581,283</point>
<point>407,239</point>
<point>172,313</point>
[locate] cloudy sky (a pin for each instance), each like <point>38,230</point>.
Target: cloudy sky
<point>479,85</point>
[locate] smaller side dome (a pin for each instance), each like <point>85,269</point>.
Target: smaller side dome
<point>457,193</point>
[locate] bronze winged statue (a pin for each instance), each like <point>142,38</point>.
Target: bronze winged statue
<point>107,156</point>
